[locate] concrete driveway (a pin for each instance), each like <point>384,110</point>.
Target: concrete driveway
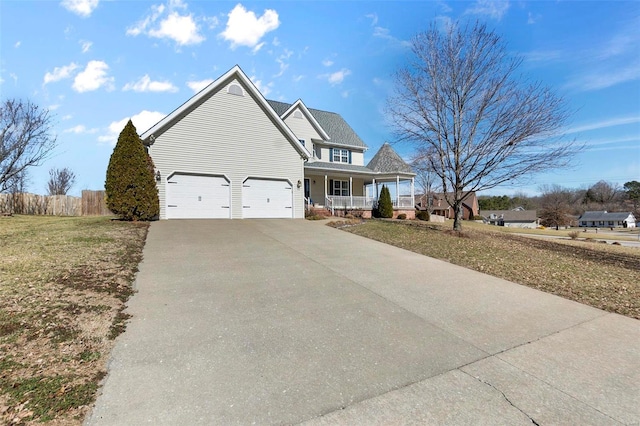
<point>290,321</point>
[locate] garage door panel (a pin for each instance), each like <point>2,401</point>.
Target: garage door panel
<point>198,197</point>
<point>263,198</point>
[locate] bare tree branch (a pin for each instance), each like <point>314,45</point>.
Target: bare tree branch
<point>25,139</point>
<point>60,181</point>
<point>461,98</point>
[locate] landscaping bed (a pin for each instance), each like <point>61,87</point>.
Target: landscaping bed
<point>601,275</point>
<point>63,287</point>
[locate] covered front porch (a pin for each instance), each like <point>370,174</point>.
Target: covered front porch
<point>342,192</point>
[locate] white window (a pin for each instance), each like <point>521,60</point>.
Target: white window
<point>341,187</point>
<point>301,141</point>
<point>340,155</point>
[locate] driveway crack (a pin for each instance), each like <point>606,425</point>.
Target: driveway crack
<point>506,398</point>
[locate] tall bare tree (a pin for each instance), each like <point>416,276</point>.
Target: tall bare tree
<point>460,96</point>
<point>426,178</point>
<point>556,205</point>
<point>25,139</point>
<point>60,181</point>
<point>603,195</point>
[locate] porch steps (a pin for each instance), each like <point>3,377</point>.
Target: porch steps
<point>319,211</point>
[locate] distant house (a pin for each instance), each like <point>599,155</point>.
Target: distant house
<point>439,206</point>
<point>604,219</point>
<point>516,218</point>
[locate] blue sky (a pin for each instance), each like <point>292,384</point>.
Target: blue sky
<point>96,63</point>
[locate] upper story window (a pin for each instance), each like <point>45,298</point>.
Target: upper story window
<point>302,141</point>
<point>341,155</point>
<point>235,89</point>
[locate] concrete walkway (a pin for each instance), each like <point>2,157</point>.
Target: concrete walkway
<point>285,322</point>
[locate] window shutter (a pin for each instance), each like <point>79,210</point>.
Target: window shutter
<point>349,157</point>
<point>331,156</point>
<point>331,187</point>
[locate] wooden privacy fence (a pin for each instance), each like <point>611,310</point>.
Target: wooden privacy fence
<point>92,203</point>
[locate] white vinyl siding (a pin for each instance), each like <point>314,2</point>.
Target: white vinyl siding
<point>302,128</point>
<point>228,135</point>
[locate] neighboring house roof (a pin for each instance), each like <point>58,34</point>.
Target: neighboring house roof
<point>387,160</point>
<point>236,73</point>
<point>605,216</point>
<point>339,131</point>
<point>511,215</point>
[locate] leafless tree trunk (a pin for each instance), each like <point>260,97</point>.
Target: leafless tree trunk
<point>461,98</point>
<point>25,139</point>
<point>556,204</point>
<point>60,181</point>
<point>425,177</point>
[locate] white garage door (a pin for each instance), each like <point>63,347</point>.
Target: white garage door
<point>262,198</point>
<point>198,197</point>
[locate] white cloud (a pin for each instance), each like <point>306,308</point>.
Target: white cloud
<point>53,107</point>
<point>197,86</point>
<point>146,85</point>
<point>281,61</point>
<point>327,62</point>
<point>612,122</point>
<point>60,73</point>
<point>80,129</point>
<point>336,77</point>
<point>543,55</point>
<point>93,77</point>
<point>18,43</point>
<point>385,34</point>
<point>297,78</point>
<point>373,17</point>
<point>345,94</point>
<point>82,8</point>
<point>67,117</point>
<point>244,28</point>
<point>532,19</point>
<point>86,45</point>
<point>142,121</point>
<point>495,9</point>
<point>265,89</point>
<point>182,29</point>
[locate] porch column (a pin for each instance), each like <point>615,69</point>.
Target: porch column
<point>325,189</point>
<point>398,191</point>
<point>413,192</point>
<point>351,190</point>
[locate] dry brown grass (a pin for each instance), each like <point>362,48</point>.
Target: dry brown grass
<point>600,275</point>
<point>63,285</point>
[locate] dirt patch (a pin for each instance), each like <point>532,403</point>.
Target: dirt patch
<point>62,293</point>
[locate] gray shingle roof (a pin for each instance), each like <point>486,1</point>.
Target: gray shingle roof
<point>336,127</point>
<point>341,167</point>
<point>511,215</point>
<point>387,160</point>
<point>604,216</point>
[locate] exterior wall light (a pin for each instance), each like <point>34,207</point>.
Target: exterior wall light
<point>299,183</point>
<point>157,175</point>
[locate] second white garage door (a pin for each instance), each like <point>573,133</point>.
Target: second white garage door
<point>198,197</point>
<point>263,198</point>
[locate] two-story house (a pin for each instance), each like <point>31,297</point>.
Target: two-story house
<point>229,153</point>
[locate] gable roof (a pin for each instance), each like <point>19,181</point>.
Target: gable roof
<point>605,216</point>
<point>338,130</point>
<point>387,160</point>
<point>148,137</point>
<point>299,104</point>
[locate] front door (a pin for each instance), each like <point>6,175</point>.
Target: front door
<point>307,189</point>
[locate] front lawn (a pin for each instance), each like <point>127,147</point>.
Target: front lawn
<point>600,275</point>
<point>63,285</point>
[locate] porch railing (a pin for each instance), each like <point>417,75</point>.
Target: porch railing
<point>359,202</point>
